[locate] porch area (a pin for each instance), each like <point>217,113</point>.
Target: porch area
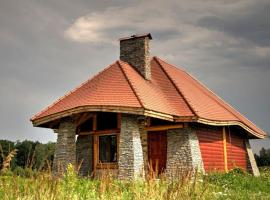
<point>126,146</point>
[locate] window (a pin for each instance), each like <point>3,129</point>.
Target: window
<point>107,148</point>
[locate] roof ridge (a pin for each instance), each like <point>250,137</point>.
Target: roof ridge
<point>178,90</point>
<point>129,82</point>
<point>70,92</point>
<point>219,101</point>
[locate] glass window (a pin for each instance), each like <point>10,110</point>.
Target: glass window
<point>108,148</point>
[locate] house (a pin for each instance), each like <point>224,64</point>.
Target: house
<point>142,112</point>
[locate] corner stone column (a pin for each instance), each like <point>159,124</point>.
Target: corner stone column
<point>130,164</point>
<point>183,152</point>
<point>196,156</point>
<point>252,165</point>
<point>65,151</point>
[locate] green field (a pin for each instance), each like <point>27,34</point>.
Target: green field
<point>40,185</point>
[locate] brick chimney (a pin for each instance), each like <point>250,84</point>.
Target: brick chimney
<point>135,51</point>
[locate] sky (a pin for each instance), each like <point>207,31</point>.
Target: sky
<point>49,47</point>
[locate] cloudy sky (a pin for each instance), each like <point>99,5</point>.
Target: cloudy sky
<point>49,47</point>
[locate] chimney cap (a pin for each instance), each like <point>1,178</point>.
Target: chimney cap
<point>137,36</point>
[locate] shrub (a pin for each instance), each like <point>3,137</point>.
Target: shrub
<point>25,172</point>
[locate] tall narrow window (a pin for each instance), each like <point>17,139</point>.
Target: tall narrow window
<point>107,148</point>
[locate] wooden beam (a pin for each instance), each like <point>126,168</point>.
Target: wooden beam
<point>119,119</point>
<point>83,118</point>
<point>164,127</point>
<point>95,153</point>
<point>148,121</point>
<point>101,132</point>
<point>94,122</point>
<point>225,149</point>
<point>54,123</point>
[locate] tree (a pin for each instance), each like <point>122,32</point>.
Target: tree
<point>30,154</point>
<point>263,159</point>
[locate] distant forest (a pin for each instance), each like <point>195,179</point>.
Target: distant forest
<point>34,155</point>
<point>263,159</point>
<point>38,156</point>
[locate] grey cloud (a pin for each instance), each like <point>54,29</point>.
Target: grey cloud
<point>252,24</point>
<point>38,63</point>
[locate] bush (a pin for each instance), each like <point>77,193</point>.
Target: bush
<point>25,172</point>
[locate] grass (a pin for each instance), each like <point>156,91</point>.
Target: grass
<point>40,185</point>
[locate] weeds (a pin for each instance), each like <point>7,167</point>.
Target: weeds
<point>27,184</point>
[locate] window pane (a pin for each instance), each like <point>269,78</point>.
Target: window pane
<point>107,148</point>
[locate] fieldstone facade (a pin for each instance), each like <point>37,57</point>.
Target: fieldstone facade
<point>84,154</point>
<point>143,134</point>
<point>131,162</point>
<point>183,152</point>
<point>65,152</point>
<point>136,52</point>
<point>195,150</point>
<point>252,165</point>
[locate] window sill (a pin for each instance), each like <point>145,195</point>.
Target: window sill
<point>107,166</point>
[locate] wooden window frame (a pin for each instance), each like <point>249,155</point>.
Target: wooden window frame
<point>96,134</point>
<point>99,165</point>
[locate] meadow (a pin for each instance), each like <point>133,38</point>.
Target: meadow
<point>27,184</point>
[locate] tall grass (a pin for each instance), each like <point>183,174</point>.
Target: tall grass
<point>233,185</point>
<point>24,183</point>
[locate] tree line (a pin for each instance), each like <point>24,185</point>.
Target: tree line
<point>29,154</point>
<point>38,156</point>
<point>263,159</point>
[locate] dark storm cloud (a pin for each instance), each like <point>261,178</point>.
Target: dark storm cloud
<point>49,47</point>
<point>251,24</point>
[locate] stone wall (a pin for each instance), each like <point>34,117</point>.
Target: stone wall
<point>252,165</point>
<point>183,152</point>
<point>65,152</point>
<point>130,164</point>
<point>135,51</point>
<point>84,153</point>
<point>197,162</point>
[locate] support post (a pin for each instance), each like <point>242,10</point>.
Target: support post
<point>225,149</point>
<point>254,168</point>
<point>65,152</point>
<point>131,165</point>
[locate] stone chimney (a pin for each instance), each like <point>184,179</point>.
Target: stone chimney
<point>135,51</point>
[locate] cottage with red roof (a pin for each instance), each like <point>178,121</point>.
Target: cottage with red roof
<point>141,114</point>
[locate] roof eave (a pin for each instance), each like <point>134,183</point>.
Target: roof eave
<point>38,122</point>
<point>232,123</point>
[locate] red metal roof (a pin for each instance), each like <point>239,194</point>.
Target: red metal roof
<point>171,91</point>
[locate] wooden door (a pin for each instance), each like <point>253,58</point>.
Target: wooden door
<point>157,151</point>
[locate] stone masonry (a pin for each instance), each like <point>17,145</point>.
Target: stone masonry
<point>65,151</point>
<point>183,152</point>
<point>84,154</point>
<point>252,165</point>
<point>130,162</point>
<point>143,134</point>
<point>135,51</point>
<point>195,150</point>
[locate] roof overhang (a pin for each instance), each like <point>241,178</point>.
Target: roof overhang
<point>40,122</point>
<point>231,123</point>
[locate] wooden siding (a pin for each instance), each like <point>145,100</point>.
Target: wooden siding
<point>211,145</point>
<point>236,150</point>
